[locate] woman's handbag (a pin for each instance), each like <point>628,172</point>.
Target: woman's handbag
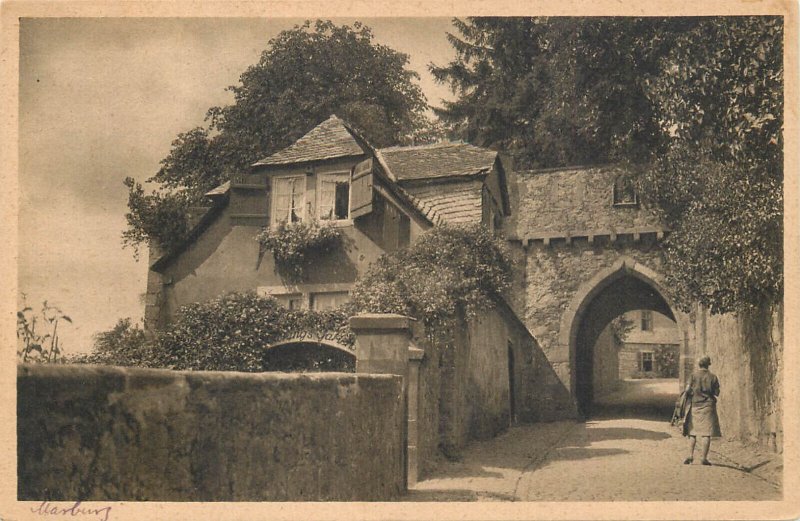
<point>681,408</point>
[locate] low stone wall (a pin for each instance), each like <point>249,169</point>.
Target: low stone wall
<point>109,433</point>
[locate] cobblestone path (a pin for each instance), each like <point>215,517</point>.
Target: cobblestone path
<point>602,460</point>
<point>605,459</point>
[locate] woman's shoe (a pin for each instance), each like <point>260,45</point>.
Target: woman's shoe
<point>688,461</point>
<point>705,462</point>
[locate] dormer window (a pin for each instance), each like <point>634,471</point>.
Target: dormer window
<point>333,196</point>
<point>289,199</point>
<point>624,192</point>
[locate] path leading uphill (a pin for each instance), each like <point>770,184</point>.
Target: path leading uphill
<point>612,457</point>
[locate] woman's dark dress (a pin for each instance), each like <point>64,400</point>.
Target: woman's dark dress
<point>702,419</point>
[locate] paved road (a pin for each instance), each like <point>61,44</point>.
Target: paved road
<point>614,457</point>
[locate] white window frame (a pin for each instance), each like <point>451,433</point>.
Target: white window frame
<point>320,179</point>
<point>274,218</point>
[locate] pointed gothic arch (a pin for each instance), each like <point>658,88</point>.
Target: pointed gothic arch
<point>649,291</point>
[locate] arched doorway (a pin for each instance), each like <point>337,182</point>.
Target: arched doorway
<point>305,356</point>
<point>615,293</point>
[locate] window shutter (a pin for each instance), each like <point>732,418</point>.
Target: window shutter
<point>361,189</point>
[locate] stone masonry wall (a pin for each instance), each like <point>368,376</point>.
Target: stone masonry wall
<point>746,354</point>
<point>573,201</point>
<point>554,274</point>
<point>429,393</point>
<point>109,433</point>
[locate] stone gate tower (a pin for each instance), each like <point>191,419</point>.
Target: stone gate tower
<point>588,252</point>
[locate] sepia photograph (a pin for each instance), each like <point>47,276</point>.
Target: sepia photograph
<point>398,259</point>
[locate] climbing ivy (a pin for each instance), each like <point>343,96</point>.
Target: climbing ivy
<point>449,269</point>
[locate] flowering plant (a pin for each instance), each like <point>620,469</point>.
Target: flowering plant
<point>291,244</point>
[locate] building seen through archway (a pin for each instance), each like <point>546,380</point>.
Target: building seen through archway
<point>626,351</point>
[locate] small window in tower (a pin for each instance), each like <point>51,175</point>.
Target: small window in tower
<point>624,192</point>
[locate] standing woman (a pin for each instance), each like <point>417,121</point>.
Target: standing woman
<point>702,419</point>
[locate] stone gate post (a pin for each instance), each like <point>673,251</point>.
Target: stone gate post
<point>383,346</point>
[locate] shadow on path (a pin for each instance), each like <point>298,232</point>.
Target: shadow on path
<point>624,433</point>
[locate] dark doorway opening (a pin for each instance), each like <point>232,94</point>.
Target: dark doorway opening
<point>308,357</point>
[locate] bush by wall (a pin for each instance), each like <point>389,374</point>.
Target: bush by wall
<point>667,360</point>
<point>449,269</point>
<point>229,333</point>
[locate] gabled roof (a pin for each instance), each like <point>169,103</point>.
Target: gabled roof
<point>437,160</point>
<point>328,140</point>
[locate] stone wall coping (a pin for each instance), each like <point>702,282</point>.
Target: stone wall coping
<point>380,321</point>
<point>415,353</point>
<point>85,370</point>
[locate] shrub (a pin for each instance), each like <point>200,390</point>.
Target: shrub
<point>621,326</point>
<point>123,344</point>
<point>292,244</point>
<point>666,360</point>
<point>230,333</point>
<point>450,269</point>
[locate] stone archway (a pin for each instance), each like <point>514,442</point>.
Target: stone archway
<point>625,286</point>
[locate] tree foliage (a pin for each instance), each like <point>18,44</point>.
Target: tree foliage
<point>306,74</point>
<point>447,270</point>
<point>698,99</point>
<point>158,218</point>
<point>557,91</point>
<point>720,181</point>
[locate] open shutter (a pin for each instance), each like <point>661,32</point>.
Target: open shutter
<point>361,189</point>
<point>248,199</point>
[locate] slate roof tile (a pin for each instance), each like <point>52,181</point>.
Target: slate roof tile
<point>454,203</point>
<point>328,140</point>
<point>437,160</point>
